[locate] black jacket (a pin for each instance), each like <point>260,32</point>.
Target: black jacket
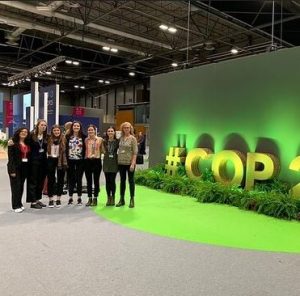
<point>15,158</point>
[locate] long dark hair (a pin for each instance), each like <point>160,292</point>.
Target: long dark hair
<point>106,135</point>
<point>71,133</point>
<point>16,136</point>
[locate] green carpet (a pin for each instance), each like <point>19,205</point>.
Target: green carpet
<point>182,217</point>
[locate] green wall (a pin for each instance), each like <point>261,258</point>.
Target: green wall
<point>248,104</point>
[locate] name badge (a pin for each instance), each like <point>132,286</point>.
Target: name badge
<point>122,151</point>
<point>41,150</point>
<point>24,159</point>
<point>111,156</point>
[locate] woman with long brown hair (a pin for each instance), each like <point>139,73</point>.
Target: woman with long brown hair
<point>93,164</point>
<point>17,166</point>
<point>57,164</point>
<point>38,164</point>
<point>75,151</point>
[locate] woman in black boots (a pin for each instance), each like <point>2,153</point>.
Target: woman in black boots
<point>93,164</point>
<point>75,150</point>
<point>57,164</point>
<point>127,153</point>
<point>18,162</point>
<point>110,164</point>
<point>38,164</point>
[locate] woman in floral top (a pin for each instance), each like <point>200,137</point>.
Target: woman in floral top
<point>75,151</point>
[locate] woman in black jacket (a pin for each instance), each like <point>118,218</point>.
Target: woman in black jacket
<point>18,156</point>
<point>38,164</point>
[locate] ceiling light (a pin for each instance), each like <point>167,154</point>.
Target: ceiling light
<point>68,62</point>
<point>62,91</point>
<point>172,30</point>
<point>43,8</point>
<point>234,50</point>
<point>82,87</point>
<point>100,80</point>
<point>114,50</point>
<point>4,83</point>
<point>131,74</point>
<point>27,79</point>
<point>75,63</point>
<point>48,72</point>
<point>163,27</point>
<point>174,65</point>
<point>107,81</point>
<point>76,86</point>
<point>106,48</point>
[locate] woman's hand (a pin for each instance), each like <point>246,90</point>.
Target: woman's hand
<point>132,166</point>
<point>10,142</point>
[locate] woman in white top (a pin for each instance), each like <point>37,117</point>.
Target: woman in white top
<point>93,164</point>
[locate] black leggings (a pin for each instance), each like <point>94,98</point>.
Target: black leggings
<point>123,169</point>
<point>75,173</point>
<point>93,168</point>
<point>60,174</point>
<point>110,183</point>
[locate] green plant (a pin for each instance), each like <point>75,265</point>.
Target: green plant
<point>273,185</point>
<point>207,175</point>
<point>3,143</point>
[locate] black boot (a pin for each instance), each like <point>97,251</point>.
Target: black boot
<point>113,201</point>
<point>94,202</point>
<point>131,204</point>
<point>89,203</point>
<point>121,202</point>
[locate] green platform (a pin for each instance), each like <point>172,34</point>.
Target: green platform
<point>184,218</point>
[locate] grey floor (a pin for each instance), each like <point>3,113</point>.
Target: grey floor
<point>71,251</point>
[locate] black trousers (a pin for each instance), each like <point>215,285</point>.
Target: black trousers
<point>36,179</point>
<point>110,183</point>
<point>55,188</point>
<point>93,168</point>
<point>123,169</point>
<point>75,173</point>
<point>17,186</point>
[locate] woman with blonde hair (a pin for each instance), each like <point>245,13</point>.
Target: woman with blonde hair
<point>57,164</point>
<point>127,153</point>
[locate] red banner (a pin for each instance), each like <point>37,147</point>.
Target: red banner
<point>8,110</point>
<point>78,111</point>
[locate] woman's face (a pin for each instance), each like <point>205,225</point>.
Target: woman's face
<point>23,134</point>
<point>76,127</point>
<point>126,129</point>
<point>110,132</point>
<point>56,132</point>
<point>42,126</point>
<point>91,131</point>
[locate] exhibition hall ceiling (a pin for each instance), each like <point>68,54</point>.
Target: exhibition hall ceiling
<point>120,41</point>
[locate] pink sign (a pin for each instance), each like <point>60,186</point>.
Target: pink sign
<point>8,107</point>
<point>78,111</point>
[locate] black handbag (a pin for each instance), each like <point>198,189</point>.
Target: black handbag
<point>140,159</point>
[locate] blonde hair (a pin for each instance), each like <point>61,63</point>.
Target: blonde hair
<point>122,126</point>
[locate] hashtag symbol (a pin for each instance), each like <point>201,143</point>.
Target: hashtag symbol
<point>175,157</point>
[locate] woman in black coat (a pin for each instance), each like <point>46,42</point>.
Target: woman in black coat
<point>18,166</point>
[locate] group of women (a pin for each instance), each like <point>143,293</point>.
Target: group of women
<point>37,155</point>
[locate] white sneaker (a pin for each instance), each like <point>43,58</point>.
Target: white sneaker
<point>19,210</point>
<point>22,208</point>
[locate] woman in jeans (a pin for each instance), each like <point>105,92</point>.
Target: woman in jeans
<point>93,164</point>
<point>127,153</point>
<point>110,164</point>
<point>18,157</point>
<point>57,164</point>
